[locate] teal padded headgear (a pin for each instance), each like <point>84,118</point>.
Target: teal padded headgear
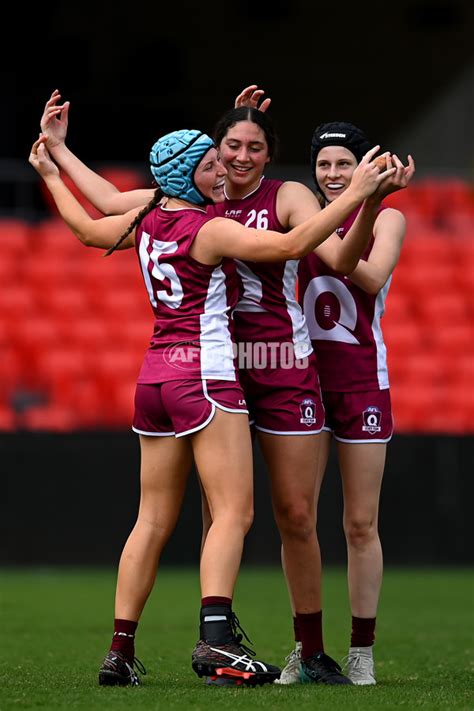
<point>174,159</point>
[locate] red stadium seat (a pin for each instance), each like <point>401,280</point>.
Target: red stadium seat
<point>453,339</point>
<point>8,419</point>
<point>66,303</point>
<point>50,270</point>
<point>404,337</point>
<point>52,237</point>
<point>412,407</point>
<point>15,237</point>
<point>125,179</point>
<point>35,334</point>
<point>11,268</point>
<point>91,332</point>
<point>51,205</point>
<point>17,300</point>
<point>444,308</point>
<point>50,418</point>
<point>59,367</point>
<point>124,305</point>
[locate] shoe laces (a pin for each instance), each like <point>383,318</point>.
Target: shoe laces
<point>358,662</point>
<point>138,665</point>
<point>236,627</point>
<point>294,657</point>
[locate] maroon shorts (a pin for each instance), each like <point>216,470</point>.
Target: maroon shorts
<point>181,407</point>
<point>284,400</point>
<point>359,417</point>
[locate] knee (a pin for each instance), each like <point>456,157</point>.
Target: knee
<point>297,521</point>
<point>247,519</point>
<point>360,531</point>
<point>235,518</point>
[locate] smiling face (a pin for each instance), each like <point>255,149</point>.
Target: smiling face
<point>209,176</point>
<point>334,168</point>
<point>244,152</point>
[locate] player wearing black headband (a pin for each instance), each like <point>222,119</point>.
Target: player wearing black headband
<point>343,314</point>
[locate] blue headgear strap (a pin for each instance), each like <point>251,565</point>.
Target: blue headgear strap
<point>173,161</point>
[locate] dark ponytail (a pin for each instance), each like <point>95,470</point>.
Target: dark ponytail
<point>136,221</point>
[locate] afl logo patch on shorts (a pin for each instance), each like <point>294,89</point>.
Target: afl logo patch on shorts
<point>371,419</point>
<point>308,412</point>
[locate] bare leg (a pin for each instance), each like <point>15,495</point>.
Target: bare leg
<point>223,455</point>
<point>165,464</point>
<point>205,515</point>
<point>295,483</point>
<point>362,468</point>
<point>325,439</point>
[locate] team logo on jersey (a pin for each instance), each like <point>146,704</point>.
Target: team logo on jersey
<point>308,412</point>
<point>233,214</point>
<point>371,418</point>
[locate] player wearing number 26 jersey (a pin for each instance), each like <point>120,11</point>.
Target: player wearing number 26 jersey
<point>267,303</point>
<point>283,392</point>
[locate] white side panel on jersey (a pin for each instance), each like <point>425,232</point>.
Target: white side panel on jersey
<point>382,371</point>
<point>252,289</point>
<point>301,340</point>
<point>217,355</point>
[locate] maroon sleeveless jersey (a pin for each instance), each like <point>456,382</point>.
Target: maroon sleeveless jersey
<point>344,324</point>
<point>268,310</point>
<point>192,302</point>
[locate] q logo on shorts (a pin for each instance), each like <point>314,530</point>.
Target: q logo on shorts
<point>371,418</point>
<point>308,412</point>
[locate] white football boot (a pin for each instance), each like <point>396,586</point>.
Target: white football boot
<point>290,674</point>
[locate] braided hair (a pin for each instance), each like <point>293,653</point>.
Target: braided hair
<point>137,219</point>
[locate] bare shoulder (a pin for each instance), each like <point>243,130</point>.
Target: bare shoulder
<point>296,203</point>
<point>293,188</point>
<point>390,214</point>
<point>219,225</point>
<point>390,227</point>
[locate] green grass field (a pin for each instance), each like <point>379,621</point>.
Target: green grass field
<point>56,626</point>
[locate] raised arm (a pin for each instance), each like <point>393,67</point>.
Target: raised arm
<point>250,97</point>
<point>102,233</point>
<point>222,237</point>
<point>389,232</point>
<point>100,192</point>
<point>343,255</point>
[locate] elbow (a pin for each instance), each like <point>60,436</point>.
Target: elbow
<point>297,251</point>
<point>373,286</point>
<point>84,238</point>
<point>344,267</point>
<point>109,210</point>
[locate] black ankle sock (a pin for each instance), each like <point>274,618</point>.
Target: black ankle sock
<point>215,627</point>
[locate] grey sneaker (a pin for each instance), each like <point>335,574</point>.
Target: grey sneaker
<point>291,672</point>
<point>360,666</point>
